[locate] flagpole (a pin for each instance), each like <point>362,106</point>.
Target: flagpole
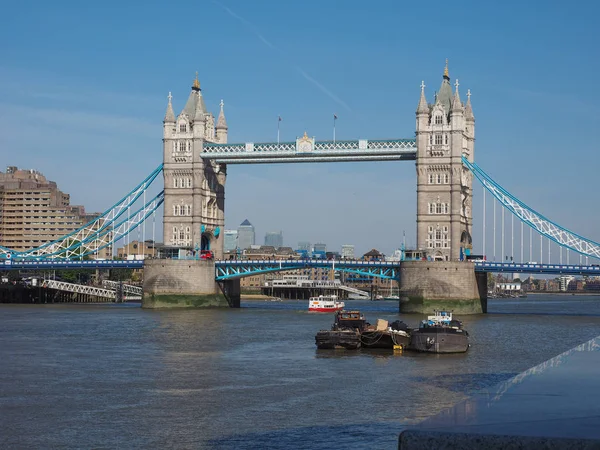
<point>278,120</point>
<point>334,119</point>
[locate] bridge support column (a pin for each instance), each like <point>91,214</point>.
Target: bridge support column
<point>448,285</point>
<point>173,283</point>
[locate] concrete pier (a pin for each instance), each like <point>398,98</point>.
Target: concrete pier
<point>173,283</point>
<point>449,285</point>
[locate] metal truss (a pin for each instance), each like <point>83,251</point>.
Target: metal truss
<point>317,151</point>
<point>535,220</point>
<point>80,289</point>
<point>557,269</point>
<point>99,233</point>
<point>227,270</point>
<point>127,288</point>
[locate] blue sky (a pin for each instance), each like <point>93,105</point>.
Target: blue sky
<point>83,91</point>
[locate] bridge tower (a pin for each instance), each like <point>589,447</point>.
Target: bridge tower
<point>445,132</point>
<point>194,188</point>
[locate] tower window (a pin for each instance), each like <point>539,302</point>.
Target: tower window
<point>438,139</point>
<point>438,119</point>
<point>439,178</point>
<point>182,127</point>
<point>446,139</point>
<point>446,178</point>
<point>430,178</point>
<point>430,139</point>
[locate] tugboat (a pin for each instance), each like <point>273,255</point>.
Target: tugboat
<point>344,333</point>
<point>440,333</point>
<point>325,303</point>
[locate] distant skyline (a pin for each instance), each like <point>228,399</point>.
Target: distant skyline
<point>84,87</point>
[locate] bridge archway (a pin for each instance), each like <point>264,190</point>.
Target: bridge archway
<point>205,241</point>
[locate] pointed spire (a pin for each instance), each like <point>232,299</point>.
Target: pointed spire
<point>446,74</point>
<point>456,103</point>
<point>422,108</point>
<point>468,107</point>
<point>445,93</point>
<point>196,85</point>
<point>169,115</point>
<point>200,108</point>
<point>221,122</point>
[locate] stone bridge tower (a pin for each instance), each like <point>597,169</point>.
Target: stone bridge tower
<point>445,132</point>
<point>194,203</point>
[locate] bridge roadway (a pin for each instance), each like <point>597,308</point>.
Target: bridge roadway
<point>230,269</point>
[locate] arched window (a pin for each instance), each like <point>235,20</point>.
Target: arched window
<point>187,235</point>
<point>174,210</point>
<point>438,139</point>
<point>438,208</point>
<point>182,127</point>
<point>446,139</point>
<point>431,209</point>
<point>430,139</point>
<point>177,210</point>
<point>174,234</point>
<point>446,178</point>
<point>181,182</point>
<point>447,208</point>
<point>438,119</point>
<point>189,182</point>
<point>439,178</point>
<point>175,182</point>
<point>430,178</point>
<point>182,146</point>
<point>188,210</point>
<point>181,234</point>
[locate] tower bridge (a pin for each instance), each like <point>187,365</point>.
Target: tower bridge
<point>196,153</point>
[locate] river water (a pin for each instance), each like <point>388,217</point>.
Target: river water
<point>117,376</point>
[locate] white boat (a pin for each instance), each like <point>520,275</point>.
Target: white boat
<point>325,303</point>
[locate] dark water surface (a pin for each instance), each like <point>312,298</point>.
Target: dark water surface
<point>117,376</point>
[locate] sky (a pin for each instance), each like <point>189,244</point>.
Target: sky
<point>83,91</point>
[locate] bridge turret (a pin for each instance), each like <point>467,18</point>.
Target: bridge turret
<point>221,126</point>
<point>169,120</point>
<point>443,189</point>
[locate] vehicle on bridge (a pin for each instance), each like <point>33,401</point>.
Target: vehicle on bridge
<point>206,254</point>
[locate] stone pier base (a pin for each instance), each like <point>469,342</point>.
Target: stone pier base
<point>172,283</point>
<point>451,286</point>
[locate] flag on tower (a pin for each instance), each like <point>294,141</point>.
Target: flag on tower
<point>279,118</point>
<point>334,116</point>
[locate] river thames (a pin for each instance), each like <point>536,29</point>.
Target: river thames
<point>117,376</point>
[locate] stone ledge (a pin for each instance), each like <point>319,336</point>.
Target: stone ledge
<point>426,440</point>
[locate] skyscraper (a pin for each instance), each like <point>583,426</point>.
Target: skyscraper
<point>231,240</point>
<point>245,235</point>
<point>304,245</point>
<point>348,251</point>
<point>320,247</point>
<point>274,238</point>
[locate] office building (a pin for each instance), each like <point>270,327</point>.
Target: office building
<point>348,251</point>
<point>274,238</point>
<point>230,242</point>
<point>304,246</point>
<point>319,247</point>
<point>245,235</point>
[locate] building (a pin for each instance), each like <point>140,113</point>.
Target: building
<point>194,187</point>
<point>563,282</point>
<point>274,238</point>
<point>33,211</point>
<point>445,132</point>
<point>320,248</point>
<point>348,251</point>
<point>373,255</point>
<point>230,240</point>
<point>137,250</point>
<point>304,246</point>
<point>245,235</point>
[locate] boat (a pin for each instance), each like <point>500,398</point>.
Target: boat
<point>344,333</point>
<point>440,333</point>
<point>384,335</point>
<point>351,331</point>
<point>392,297</point>
<point>325,303</point>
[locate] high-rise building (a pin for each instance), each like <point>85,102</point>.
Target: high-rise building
<point>231,240</point>
<point>304,246</point>
<point>245,235</point>
<point>319,247</point>
<point>33,211</point>
<point>274,238</point>
<point>348,251</point>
